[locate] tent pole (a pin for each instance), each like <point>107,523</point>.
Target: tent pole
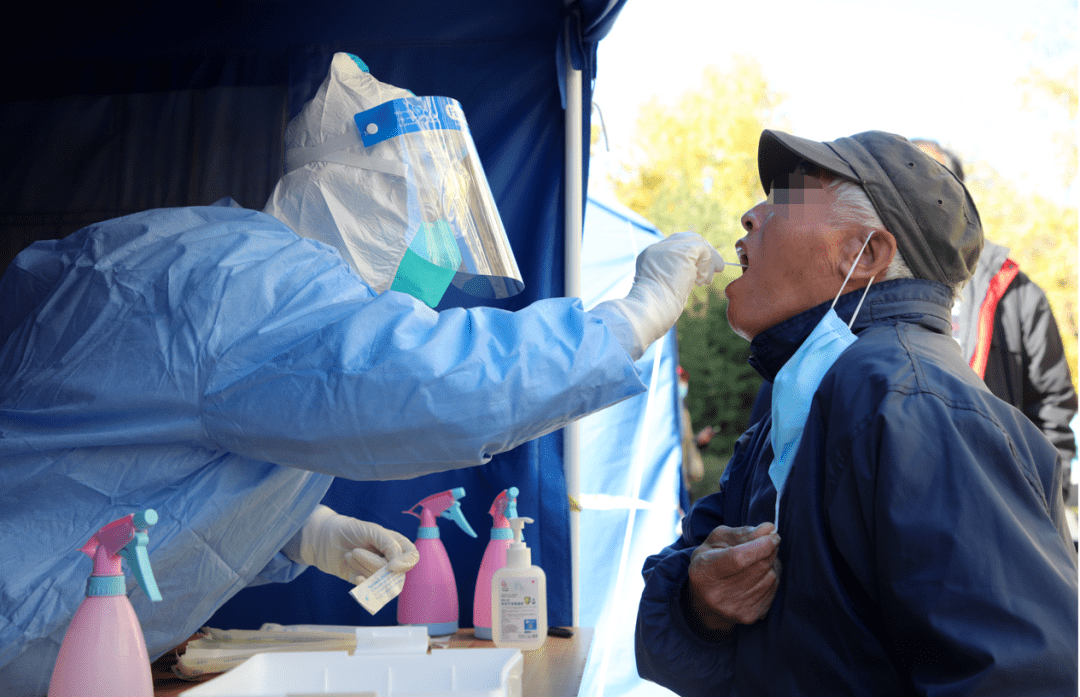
<point>572,289</point>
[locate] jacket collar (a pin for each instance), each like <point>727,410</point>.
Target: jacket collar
<point>925,303</point>
<point>990,260</point>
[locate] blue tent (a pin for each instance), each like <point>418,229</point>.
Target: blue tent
<point>631,472</point>
<point>121,107</point>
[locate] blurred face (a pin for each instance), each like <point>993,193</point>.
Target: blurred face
<point>792,255</point>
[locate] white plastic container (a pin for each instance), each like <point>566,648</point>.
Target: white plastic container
<point>445,673</point>
<point>519,597</point>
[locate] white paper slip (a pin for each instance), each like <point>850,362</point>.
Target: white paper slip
<point>378,589</point>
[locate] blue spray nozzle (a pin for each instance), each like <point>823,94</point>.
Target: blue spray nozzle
<point>444,504</point>
<point>144,519</point>
<point>125,539</point>
<point>511,506</point>
<point>454,513</point>
<point>504,507</point>
<point>134,553</point>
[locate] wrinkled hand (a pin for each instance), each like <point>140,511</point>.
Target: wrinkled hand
<point>353,549</point>
<point>734,575</point>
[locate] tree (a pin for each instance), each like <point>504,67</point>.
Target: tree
<point>1042,234</point>
<point>722,384</point>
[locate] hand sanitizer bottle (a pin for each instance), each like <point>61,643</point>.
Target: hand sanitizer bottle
<point>519,597</point>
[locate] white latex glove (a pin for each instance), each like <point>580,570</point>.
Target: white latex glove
<point>666,273</point>
<point>348,548</point>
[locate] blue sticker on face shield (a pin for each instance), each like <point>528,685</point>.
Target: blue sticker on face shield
<point>409,115</point>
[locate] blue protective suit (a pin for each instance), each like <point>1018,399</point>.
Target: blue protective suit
<point>213,365</point>
<point>923,547</point>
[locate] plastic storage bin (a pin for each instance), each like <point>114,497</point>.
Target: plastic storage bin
<point>444,673</point>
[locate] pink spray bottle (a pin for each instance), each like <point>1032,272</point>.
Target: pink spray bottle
<point>104,653</point>
<point>504,507</point>
<point>429,595</point>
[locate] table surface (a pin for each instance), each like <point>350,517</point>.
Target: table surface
<point>553,670</point>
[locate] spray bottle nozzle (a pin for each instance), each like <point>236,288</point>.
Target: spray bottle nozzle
<point>444,504</point>
<point>144,519</point>
<point>125,539</point>
<point>504,507</point>
<point>134,553</point>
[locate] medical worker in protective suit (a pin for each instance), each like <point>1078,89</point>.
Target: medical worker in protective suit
<point>222,365</point>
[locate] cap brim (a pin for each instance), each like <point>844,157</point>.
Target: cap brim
<point>780,153</point>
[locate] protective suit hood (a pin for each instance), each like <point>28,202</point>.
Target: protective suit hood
<point>393,182</point>
<point>349,208</point>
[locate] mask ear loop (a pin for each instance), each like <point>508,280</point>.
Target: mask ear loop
<point>850,271</point>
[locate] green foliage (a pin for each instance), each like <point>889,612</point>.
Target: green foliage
<point>1050,88</point>
<point>722,383</point>
<point>1042,235</point>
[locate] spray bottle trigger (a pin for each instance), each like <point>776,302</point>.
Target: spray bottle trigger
<point>134,553</point>
<point>454,513</point>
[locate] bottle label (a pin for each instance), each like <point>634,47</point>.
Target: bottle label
<point>519,609</point>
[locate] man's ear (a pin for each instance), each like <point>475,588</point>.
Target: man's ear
<point>876,257</point>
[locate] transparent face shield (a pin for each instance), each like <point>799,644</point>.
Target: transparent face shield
<point>455,234</point>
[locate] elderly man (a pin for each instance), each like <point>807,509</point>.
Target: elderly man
<point>890,527</point>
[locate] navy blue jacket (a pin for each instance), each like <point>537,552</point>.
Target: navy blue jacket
<point>923,546</point>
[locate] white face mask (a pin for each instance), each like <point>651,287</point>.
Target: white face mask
<point>798,380</point>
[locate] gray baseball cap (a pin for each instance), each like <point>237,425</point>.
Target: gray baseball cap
<point>926,208</point>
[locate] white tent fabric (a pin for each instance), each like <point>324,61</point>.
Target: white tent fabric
<point>631,458</point>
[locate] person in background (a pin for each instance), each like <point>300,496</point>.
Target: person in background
<point>1008,334</point>
<point>889,526</point>
<point>220,366</point>
<point>693,467</point>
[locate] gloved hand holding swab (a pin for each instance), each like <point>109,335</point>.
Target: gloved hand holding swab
<point>666,273</point>
<point>718,261</point>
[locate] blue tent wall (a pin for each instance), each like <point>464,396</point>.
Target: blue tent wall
<point>631,466</point>
<point>121,107</point>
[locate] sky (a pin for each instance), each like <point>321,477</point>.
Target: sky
<point>940,69</point>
